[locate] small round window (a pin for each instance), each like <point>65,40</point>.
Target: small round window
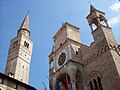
<point>61,59</point>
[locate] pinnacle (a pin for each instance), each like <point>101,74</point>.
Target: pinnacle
<point>25,23</point>
<point>92,8</point>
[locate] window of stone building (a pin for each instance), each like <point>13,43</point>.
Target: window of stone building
<point>76,52</point>
<point>12,84</point>
<point>95,85</point>
<point>51,65</point>
<point>60,44</point>
<point>15,86</point>
<point>103,23</point>
<point>94,26</point>
<point>102,50</point>
<point>11,75</point>
<point>118,47</point>
<point>13,64</point>
<point>26,69</point>
<point>26,44</point>
<point>15,43</point>
<point>1,80</point>
<point>99,83</point>
<point>91,85</point>
<point>19,64</point>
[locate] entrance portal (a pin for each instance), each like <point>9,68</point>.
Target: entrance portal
<point>64,81</point>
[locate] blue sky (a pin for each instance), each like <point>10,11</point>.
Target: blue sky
<point>46,17</point>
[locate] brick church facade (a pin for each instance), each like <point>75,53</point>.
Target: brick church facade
<point>94,67</point>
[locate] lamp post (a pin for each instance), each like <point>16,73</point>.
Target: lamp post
<point>44,85</point>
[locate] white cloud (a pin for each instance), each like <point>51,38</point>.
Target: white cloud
<point>115,6</point>
<point>114,21</point>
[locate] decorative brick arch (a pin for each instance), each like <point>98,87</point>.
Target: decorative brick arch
<point>94,80</point>
<point>93,74</point>
<point>81,71</point>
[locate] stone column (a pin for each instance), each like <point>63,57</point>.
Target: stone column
<point>85,86</point>
<point>54,87</point>
<point>73,84</point>
<point>54,83</point>
<point>91,27</point>
<point>69,51</point>
<point>106,23</point>
<point>98,20</point>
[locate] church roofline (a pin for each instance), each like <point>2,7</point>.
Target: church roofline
<point>64,25</point>
<point>17,82</point>
<point>72,25</point>
<point>92,8</point>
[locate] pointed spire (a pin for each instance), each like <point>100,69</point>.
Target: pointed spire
<point>25,23</point>
<point>92,8</point>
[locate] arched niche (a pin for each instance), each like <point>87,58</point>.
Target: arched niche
<point>79,80</point>
<point>103,20</point>
<point>62,79</point>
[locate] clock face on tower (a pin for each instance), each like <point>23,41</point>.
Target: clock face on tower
<point>61,59</point>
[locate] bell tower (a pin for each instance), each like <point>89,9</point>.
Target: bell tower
<point>64,55</point>
<point>20,52</point>
<point>100,29</point>
<point>102,63</point>
<point>81,67</point>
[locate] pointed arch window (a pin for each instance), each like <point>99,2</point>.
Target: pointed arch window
<point>91,85</point>
<point>95,84</point>
<point>99,83</point>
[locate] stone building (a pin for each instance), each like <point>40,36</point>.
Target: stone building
<point>94,67</point>
<point>18,62</point>
<point>8,83</point>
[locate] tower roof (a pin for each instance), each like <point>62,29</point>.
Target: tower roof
<point>92,8</point>
<point>63,25</point>
<point>25,23</point>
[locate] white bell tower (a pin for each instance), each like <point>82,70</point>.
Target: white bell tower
<point>20,52</point>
